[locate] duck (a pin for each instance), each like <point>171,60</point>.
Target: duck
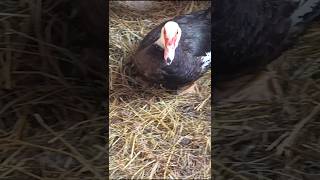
<point>248,35</point>
<point>177,52</point>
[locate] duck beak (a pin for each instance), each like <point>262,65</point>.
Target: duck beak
<point>169,53</point>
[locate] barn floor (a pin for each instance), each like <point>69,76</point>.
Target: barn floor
<point>154,134</point>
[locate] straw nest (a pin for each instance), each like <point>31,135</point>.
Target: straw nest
<point>154,134</point>
<point>278,139</point>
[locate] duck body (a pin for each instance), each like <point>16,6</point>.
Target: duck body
<point>249,34</point>
<point>192,55</point>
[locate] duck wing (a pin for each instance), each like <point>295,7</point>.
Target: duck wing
<point>196,32</point>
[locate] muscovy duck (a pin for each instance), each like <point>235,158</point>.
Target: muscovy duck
<point>249,34</point>
<point>177,52</point>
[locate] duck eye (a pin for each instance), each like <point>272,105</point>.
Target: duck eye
<point>177,32</point>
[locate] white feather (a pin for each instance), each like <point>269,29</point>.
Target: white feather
<point>206,60</point>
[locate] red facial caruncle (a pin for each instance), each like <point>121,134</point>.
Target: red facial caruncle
<point>171,34</point>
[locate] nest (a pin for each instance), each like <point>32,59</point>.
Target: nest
<point>154,134</point>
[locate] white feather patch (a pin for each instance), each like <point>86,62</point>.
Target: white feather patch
<point>206,60</point>
<point>159,43</point>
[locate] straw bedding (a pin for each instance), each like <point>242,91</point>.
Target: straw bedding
<point>277,139</point>
<point>154,134</point>
<point>52,119</point>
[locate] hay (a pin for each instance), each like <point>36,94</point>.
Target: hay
<point>278,139</point>
<point>154,134</point>
<point>52,121</point>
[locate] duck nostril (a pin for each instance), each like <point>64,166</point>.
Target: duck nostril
<point>169,61</point>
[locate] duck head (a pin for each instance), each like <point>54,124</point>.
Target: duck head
<point>169,40</point>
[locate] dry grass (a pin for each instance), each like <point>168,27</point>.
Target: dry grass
<point>51,119</point>
<point>154,134</point>
<point>279,139</point>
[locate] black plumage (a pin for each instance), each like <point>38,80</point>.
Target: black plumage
<point>249,34</point>
<point>187,66</point>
